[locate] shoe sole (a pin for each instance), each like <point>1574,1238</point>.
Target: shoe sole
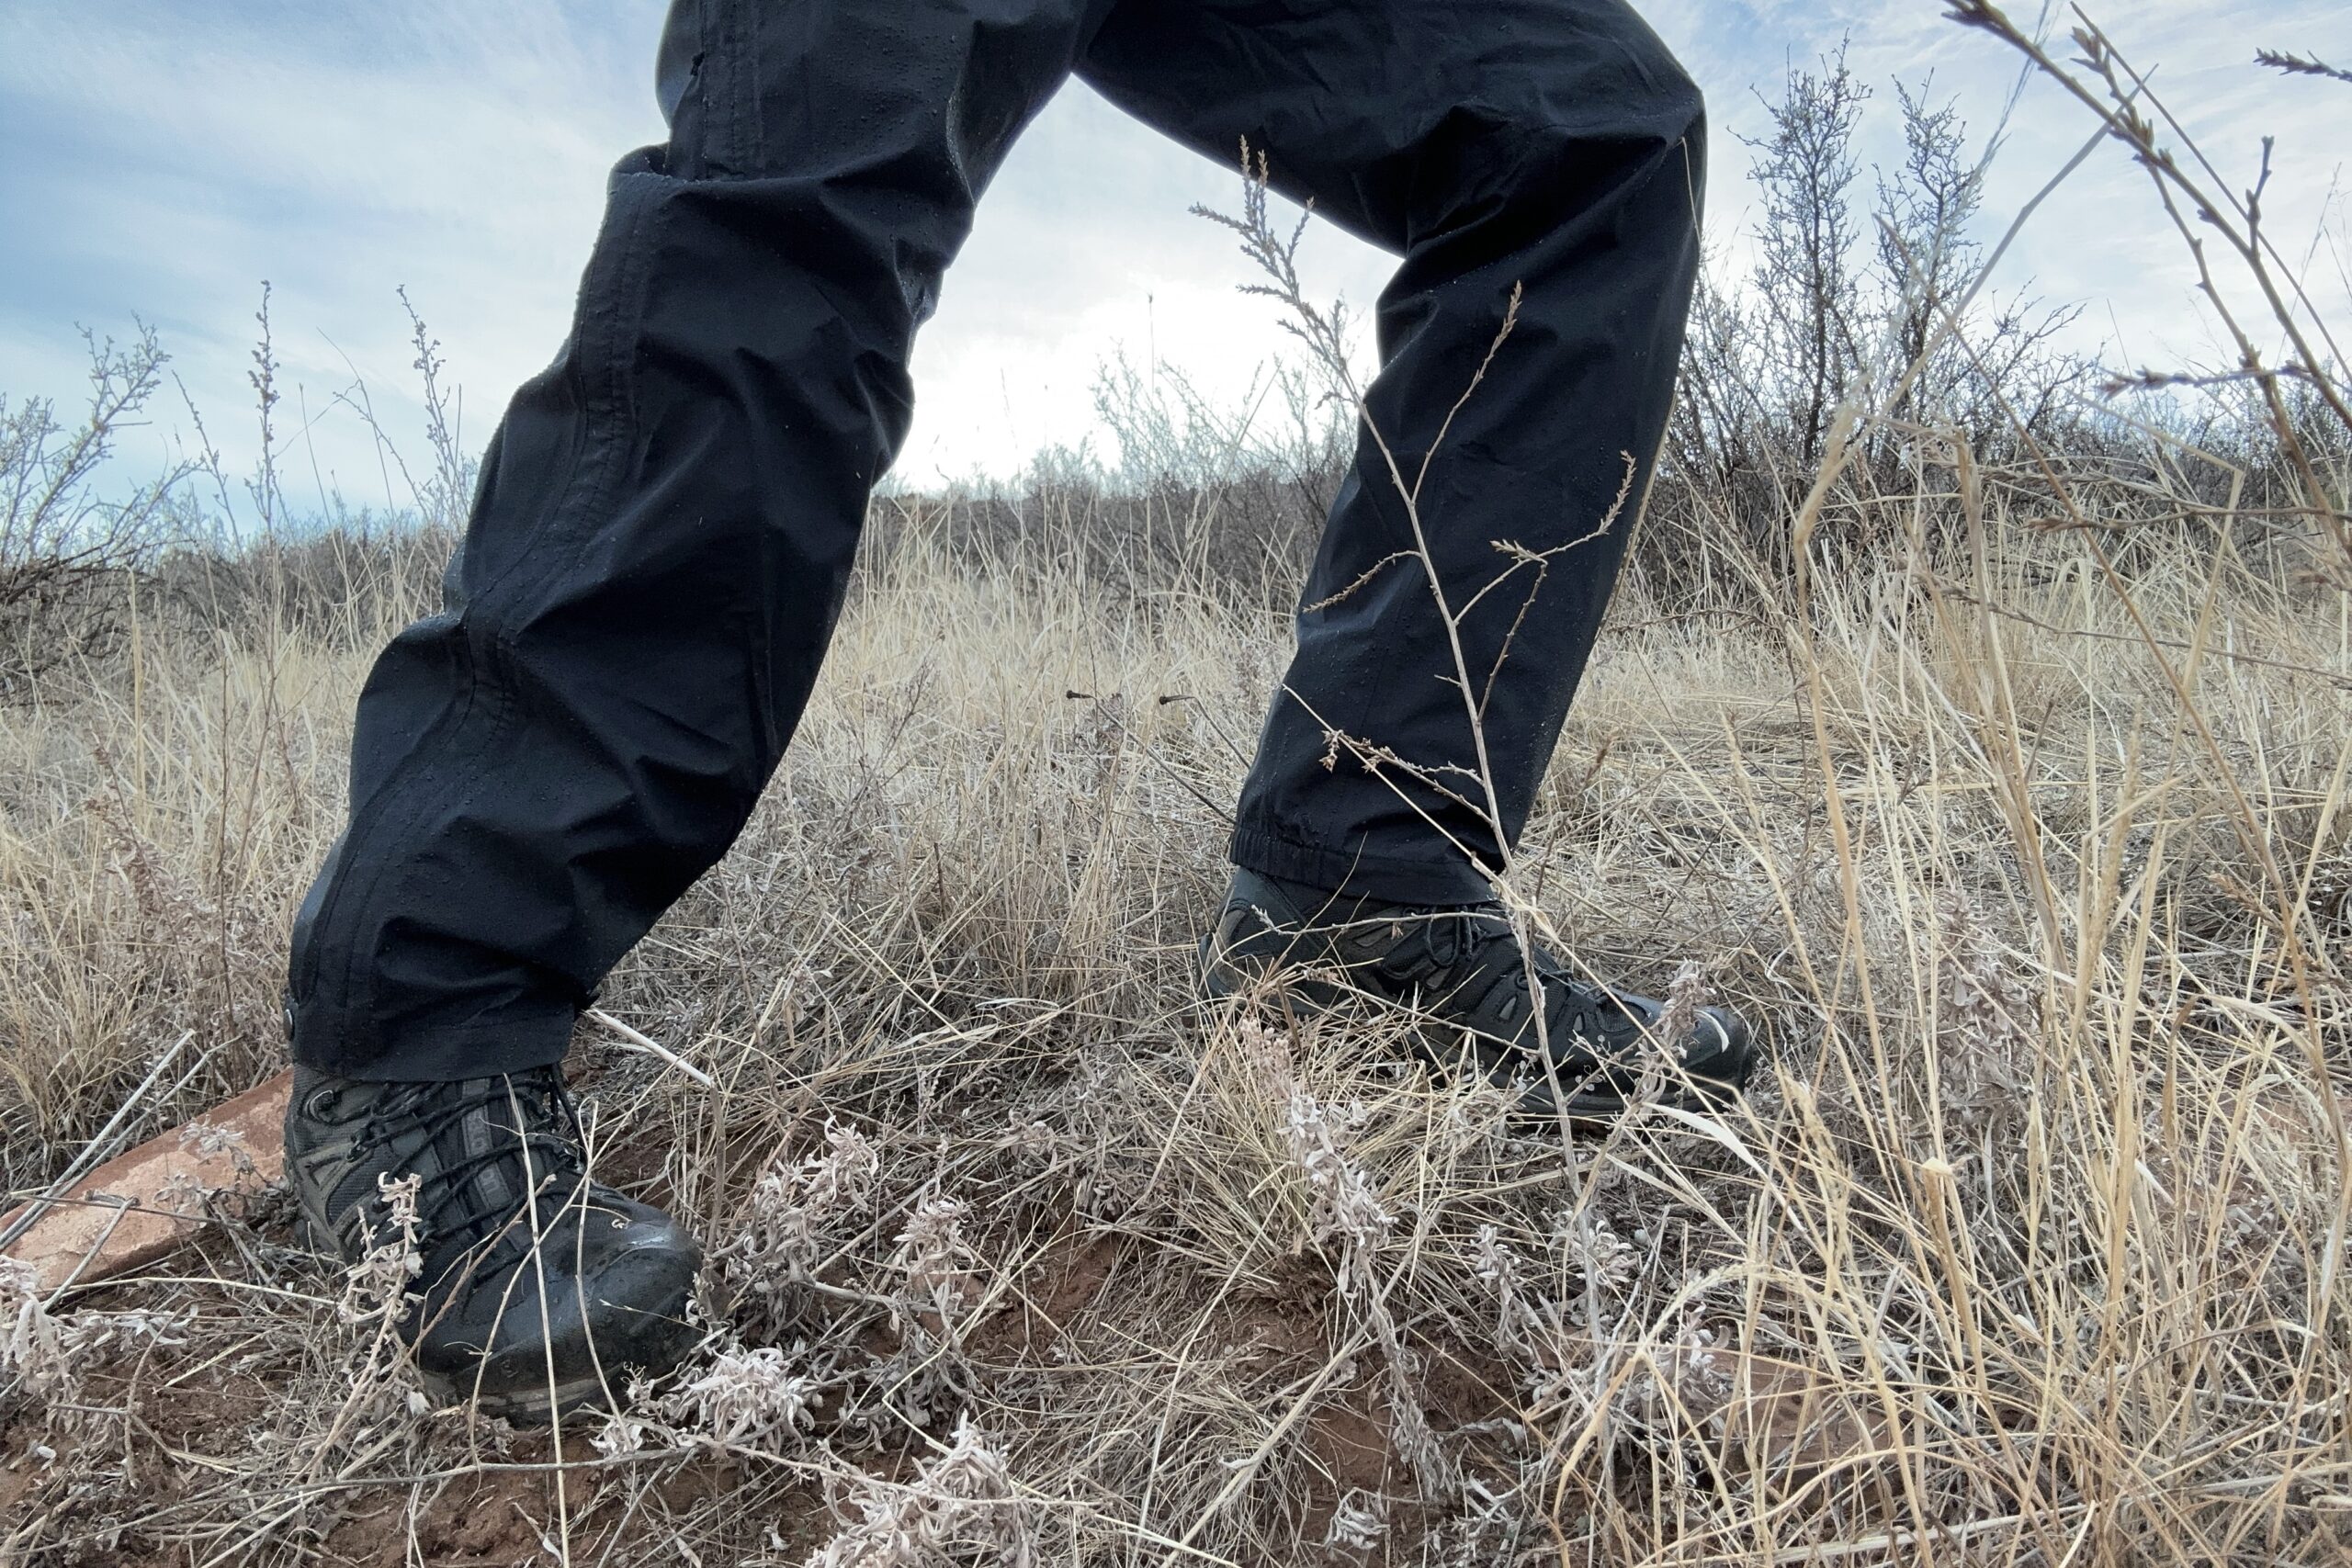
<point>1221,981</point>
<point>542,1403</point>
<point>539,1407</point>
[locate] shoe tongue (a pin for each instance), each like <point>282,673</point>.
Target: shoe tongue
<point>487,1128</point>
<point>488,1143</point>
<point>1452,935</point>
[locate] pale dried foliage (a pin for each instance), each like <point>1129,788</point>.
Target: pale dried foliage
<point>2028,1247</point>
<point>961,1506</point>
<point>47,1356</point>
<point>744,1396</point>
<point>780,1240</point>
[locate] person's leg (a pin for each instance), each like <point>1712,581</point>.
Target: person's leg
<point>664,526</point>
<point>1546,151</point>
<point>653,566</point>
<point>1549,146</point>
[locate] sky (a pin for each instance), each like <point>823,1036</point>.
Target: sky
<point>167,156</point>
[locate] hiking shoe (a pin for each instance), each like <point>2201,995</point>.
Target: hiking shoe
<point>525,1330</point>
<point>1463,974</point>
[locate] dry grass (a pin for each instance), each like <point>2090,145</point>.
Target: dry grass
<point>2024,845</point>
<point>2028,1252</point>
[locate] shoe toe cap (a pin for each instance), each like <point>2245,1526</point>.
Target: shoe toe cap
<point>643,1284</point>
<point>607,1296</point>
<point>1722,1047</point>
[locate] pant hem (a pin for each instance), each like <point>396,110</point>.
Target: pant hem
<point>441,1054</point>
<point>1400,879</point>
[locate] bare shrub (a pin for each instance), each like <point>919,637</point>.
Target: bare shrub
<point>68,549</point>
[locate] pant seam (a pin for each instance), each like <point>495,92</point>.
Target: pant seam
<point>589,485</point>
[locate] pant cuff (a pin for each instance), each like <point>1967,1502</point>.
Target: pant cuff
<point>518,1040</point>
<point>1361,874</point>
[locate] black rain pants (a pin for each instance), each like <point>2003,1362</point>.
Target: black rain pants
<point>657,553</point>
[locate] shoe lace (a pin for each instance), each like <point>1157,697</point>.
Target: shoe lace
<point>1585,1024</point>
<point>456,1209</point>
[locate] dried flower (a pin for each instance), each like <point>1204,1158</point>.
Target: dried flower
<point>1358,1521</point>
<point>1344,1204</point>
<point>1590,1245</point>
<point>1984,1044</point>
<point>778,1245</point>
<point>375,1289</point>
<point>32,1341</point>
<point>962,1501</point>
<point>1679,1019</point>
<point>744,1396</point>
<point>935,1258</point>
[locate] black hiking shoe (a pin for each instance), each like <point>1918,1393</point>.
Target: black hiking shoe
<point>528,1332</point>
<point>1464,974</point>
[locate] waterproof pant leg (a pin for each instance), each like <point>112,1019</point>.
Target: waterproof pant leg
<point>665,523</point>
<point>1550,145</point>
<point>657,550</point>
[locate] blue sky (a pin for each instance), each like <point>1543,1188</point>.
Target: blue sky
<point>165,156</point>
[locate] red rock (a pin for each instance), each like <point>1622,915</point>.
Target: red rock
<point>148,1201</point>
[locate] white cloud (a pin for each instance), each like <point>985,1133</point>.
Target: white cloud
<point>167,156</point>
